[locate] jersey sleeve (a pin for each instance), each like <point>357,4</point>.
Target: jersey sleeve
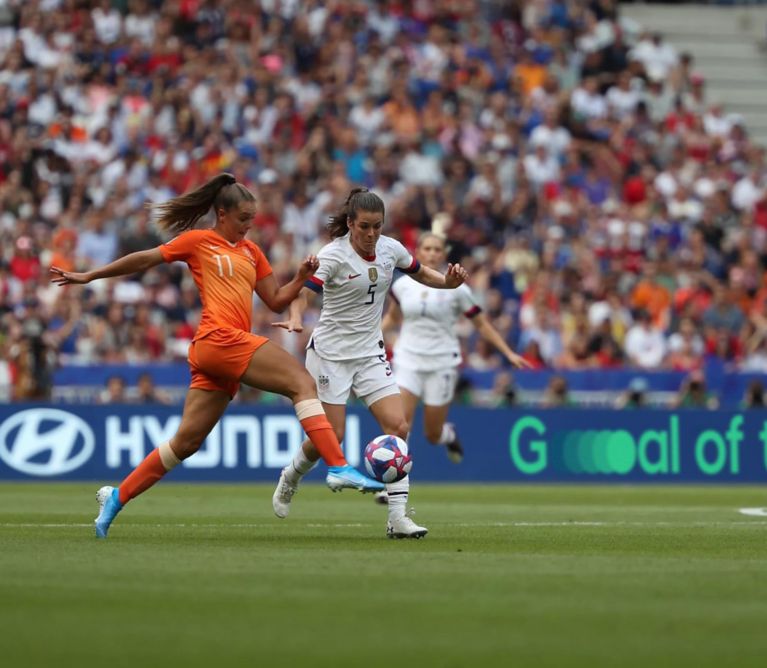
<point>263,267</point>
<point>329,263</point>
<point>403,260</point>
<point>396,288</point>
<point>467,302</point>
<point>182,247</point>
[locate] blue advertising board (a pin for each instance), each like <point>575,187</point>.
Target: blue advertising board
<point>252,443</point>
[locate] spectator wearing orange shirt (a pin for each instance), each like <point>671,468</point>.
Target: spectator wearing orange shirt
<point>402,115</point>
<point>531,75</point>
<point>649,294</point>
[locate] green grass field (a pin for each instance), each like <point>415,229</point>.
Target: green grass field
<point>509,576</point>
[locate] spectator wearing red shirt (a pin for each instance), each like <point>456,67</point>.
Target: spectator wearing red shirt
<point>25,264</point>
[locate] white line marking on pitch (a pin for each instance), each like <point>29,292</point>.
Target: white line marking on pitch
<point>762,512</point>
<point>753,512</point>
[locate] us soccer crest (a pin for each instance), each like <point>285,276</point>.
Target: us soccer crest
<point>373,274</point>
<point>324,382</point>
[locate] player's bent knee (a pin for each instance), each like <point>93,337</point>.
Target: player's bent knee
<point>402,429</point>
<point>303,387</point>
<point>186,445</point>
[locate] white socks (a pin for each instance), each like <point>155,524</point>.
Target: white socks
<point>448,434</point>
<point>398,492</point>
<point>300,466</point>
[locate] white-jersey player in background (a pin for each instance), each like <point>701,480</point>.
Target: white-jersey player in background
<point>346,351</point>
<point>427,352</point>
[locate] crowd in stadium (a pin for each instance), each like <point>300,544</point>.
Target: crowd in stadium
<point>609,214</point>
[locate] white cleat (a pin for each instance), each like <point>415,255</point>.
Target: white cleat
<point>283,495</point>
<point>404,527</point>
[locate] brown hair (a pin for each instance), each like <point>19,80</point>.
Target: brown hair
<point>183,212</point>
<point>359,199</point>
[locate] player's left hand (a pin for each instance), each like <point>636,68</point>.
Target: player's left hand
<point>519,362</point>
<point>308,266</point>
<point>456,275</point>
<point>290,324</point>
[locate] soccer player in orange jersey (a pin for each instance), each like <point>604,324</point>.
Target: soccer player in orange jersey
<point>226,268</point>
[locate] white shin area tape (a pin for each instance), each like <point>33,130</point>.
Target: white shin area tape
<point>168,457</point>
<point>308,408</point>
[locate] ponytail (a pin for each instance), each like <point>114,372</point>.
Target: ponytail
<point>183,212</point>
<point>359,199</point>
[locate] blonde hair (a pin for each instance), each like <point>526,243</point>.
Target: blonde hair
<point>432,235</point>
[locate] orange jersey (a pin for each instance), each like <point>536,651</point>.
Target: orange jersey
<point>225,275</point>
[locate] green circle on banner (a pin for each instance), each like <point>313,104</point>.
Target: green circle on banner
<point>586,451</point>
<point>601,460</point>
<point>570,451</point>
<point>621,452</point>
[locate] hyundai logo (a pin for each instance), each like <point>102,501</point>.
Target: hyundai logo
<point>45,442</point>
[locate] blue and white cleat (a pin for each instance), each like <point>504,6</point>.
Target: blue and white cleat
<point>347,477</point>
<point>109,506</point>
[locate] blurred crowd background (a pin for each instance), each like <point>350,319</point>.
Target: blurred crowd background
<point>609,213</point>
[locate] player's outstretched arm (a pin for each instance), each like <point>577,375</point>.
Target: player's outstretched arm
<point>454,276</point>
<point>130,264</point>
<point>295,321</point>
<point>494,338</point>
<point>278,298</point>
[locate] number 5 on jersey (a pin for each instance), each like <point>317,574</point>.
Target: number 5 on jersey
<point>224,261</point>
<point>372,292</point>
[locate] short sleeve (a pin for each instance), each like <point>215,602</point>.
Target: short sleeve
<point>328,267</point>
<point>182,247</point>
<point>467,302</point>
<point>396,288</point>
<point>263,267</point>
<point>403,260</point>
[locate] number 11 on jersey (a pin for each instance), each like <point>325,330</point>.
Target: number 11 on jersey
<point>227,261</point>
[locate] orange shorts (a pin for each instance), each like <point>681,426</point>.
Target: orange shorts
<point>219,359</point>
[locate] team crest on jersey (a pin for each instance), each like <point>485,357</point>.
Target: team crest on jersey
<point>323,382</point>
<point>373,274</point>
<point>247,252</point>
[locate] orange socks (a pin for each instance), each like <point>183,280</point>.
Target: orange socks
<point>323,437</point>
<point>146,474</point>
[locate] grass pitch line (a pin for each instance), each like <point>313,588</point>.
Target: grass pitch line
<point>358,525</point>
<point>753,512</point>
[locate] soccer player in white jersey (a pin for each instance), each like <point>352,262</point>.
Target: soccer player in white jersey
<point>427,352</point>
<point>346,351</point>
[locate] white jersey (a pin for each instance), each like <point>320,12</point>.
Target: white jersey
<point>427,341</point>
<point>353,293</point>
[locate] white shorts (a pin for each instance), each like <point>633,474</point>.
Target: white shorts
<point>370,378</point>
<point>435,388</point>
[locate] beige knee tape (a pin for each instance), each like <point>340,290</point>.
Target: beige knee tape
<point>308,408</point>
<point>168,457</point>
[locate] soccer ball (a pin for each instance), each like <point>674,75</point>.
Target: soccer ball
<point>387,459</point>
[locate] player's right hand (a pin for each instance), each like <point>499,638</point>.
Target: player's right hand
<point>308,266</point>
<point>290,325</point>
<point>61,277</point>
